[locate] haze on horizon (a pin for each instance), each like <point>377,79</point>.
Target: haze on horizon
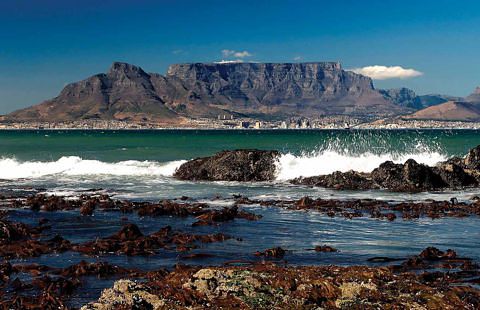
<point>428,46</point>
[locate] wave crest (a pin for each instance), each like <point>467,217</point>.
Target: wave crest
<point>327,161</point>
<point>11,168</point>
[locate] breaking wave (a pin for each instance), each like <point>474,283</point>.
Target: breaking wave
<point>361,155</point>
<point>11,168</point>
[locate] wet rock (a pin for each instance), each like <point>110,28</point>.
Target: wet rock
<point>472,160</point>
<point>277,252</point>
<point>5,272</point>
<point>33,248</point>
<point>432,253</point>
<point>237,165</point>
<point>100,269</point>
<point>87,208</point>
<point>128,232</point>
<point>325,249</point>
<point>455,176</point>
<point>211,217</point>
<point>409,177</point>
<point>168,207</point>
<point>130,241</point>
<point>126,294</point>
<point>350,180</point>
<point>269,286</point>
<point>46,300</point>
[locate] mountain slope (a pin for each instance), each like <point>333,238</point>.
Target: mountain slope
<point>262,90</point>
<point>449,111</point>
<point>125,92</point>
<point>475,96</point>
<point>407,98</point>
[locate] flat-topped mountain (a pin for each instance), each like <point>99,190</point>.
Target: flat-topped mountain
<point>262,90</point>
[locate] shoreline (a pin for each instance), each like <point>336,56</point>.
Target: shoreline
<point>429,277</point>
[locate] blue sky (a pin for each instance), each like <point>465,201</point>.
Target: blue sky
<point>46,44</point>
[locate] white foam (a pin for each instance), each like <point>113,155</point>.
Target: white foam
<point>328,161</point>
<point>11,168</point>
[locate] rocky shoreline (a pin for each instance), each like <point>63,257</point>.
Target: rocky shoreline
<point>433,279</point>
<point>259,165</point>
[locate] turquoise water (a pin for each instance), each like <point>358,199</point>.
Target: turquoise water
<point>168,145</point>
<point>140,164</point>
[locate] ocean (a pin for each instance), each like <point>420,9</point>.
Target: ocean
<point>138,166</point>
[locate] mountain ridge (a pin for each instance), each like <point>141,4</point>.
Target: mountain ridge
<point>127,92</point>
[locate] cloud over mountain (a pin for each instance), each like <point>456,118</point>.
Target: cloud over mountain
<point>238,54</point>
<point>383,72</point>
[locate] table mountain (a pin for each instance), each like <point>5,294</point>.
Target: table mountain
<point>262,90</point>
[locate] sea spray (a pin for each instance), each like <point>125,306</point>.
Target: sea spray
<point>336,156</point>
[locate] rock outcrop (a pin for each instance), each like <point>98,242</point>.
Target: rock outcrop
<point>407,177</point>
<point>401,96</point>
<point>406,97</point>
<point>237,165</point>
<point>350,180</point>
<point>260,90</point>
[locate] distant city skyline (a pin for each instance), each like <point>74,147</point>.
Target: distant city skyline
<point>428,46</point>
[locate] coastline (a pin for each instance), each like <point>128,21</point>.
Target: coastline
<point>249,124</point>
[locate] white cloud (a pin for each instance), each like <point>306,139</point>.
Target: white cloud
<point>242,54</point>
<point>383,72</point>
<point>229,53</point>
<point>297,58</point>
<point>229,61</point>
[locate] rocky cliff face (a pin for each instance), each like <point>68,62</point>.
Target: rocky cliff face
<point>401,96</point>
<point>407,98</point>
<point>307,89</point>
<point>261,90</point>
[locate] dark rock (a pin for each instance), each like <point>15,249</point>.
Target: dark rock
<point>277,252</point>
<point>350,180</point>
<point>454,175</point>
<point>432,253</point>
<point>238,165</point>
<point>87,208</point>
<point>472,160</point>
<point>409,177</point>
<point>128,232</point>
<point>325,248</point>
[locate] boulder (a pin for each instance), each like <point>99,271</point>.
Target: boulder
<point>409,177</point>
<point>454,175</point>
<point>236,165</point>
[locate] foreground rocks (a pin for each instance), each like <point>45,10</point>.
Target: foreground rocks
<point>237,165</point>
<point>411,176</point>
<point>256,165</point>
<point>269,286</point>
